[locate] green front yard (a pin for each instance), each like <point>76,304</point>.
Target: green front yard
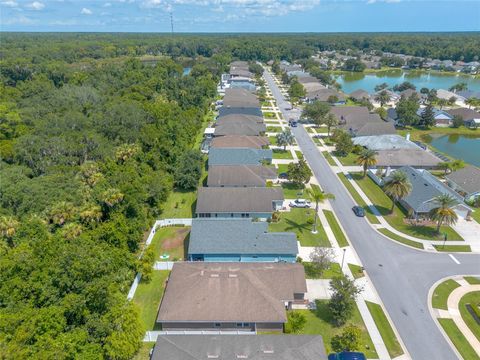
<point>337,231</point>
<point>274,129</point>
<point>148,297</point>
<point>348,160</point>
<point>282,154</point>
<point>300,221</point>
<point>282,168</point>
<point>441,293</point>
<point>462,345</point>
<point>385,329</point>
<point>396,219</point>
<point>319,322</point>
<point>311,273</point>
<point>358,199</point>
<point>357,271</point>
<point>329,158</point>
<point>294,191</point>
<point>269,115</point>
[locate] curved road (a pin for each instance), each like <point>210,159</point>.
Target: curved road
<point>401,275</point>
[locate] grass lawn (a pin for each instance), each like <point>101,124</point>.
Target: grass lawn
<point>337,231</point>
<point>401,239</point>
<point>473,299</point>
<point>294,191</point>
<point>274,129</point>
<point>349,160</point>
<point>310,130</point>
<point>269,115</point>
<point>299,154</point>
<point>144,352</point>
<point>441,293</point>
<point>462,345</point>
<point>282,154</point>
<point>172,241</point>
<point>358,199</point>
<point>386,331</point>
<point>297,221</point>
<point>317,141</point>
<point>328,141</point>
<point>321,130</point>
<point>357,271</point>
<point>319,322</point>
<point>453,248</point>
<point>383,204</point>
<point>331,272</point>
<point>282,168</point>
<point>148,297</point>
<point>273,140</point>
<point>329,158</point>
<point>180,204</point>
<point>476,215</point>
<point>472,280</point>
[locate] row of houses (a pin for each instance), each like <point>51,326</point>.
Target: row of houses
<point>239,278</point>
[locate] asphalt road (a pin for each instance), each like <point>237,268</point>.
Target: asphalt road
<point>402,276</point>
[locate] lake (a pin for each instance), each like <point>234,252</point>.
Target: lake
<point>354,81</point>
<point>464,147</point>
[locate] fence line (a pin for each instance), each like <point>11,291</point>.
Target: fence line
<point>151,336</point>
<point>158,224</point>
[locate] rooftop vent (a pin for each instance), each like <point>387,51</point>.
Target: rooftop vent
<point>242,356</point>
<point>214,275</point>
<point>210,356</point>
<point>232,275</point>
<point>268,351</point>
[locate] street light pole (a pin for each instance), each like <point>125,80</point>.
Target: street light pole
<point>444,240</point>
<point>343,257</point>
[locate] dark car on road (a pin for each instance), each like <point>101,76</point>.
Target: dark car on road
<point>347,355</point>
<point>292,123</point>
<point>359,211</point>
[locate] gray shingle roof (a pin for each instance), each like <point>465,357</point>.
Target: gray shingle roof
<point>239,117</point>
<point>238,236</point>
<point>384,142</point>
<point>465,113</point>
<point>467,178</point>
<point>240,175</point>
<point>424,189</point>
<point>237,200</point>
<point>406,157</point>
<point>239,97</point>
<point>238,156</point>
<point>359,122</point>
<point>225,110</point>
<point>240,141</point>
<point>230,292</point>
<point>255,347</point>
<point>359,94</point>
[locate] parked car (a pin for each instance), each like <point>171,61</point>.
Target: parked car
<point>347,355</point>
<point>283,175</point>
<point>359,211</point>
<point>292,123</point>
<point>300,203</point>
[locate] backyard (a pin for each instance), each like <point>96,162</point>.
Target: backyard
<point>300,221</point>
<point>171,241</point>
<point>397,219</point>
<point>319,321</point>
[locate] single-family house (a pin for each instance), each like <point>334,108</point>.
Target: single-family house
<point>447,95</point>
<point>326,95</point>
<point>256,202</point>
<point>416,158</point>
<point>238,117</point>
<point>239,240</point>
<point>466,182</point>
<point>240,69</point>
<point>240,175</point>
<point>358,121</point>
<point>359,95</point>
<point>225,296</point>
<point>240,127</point>
<point>471,118</point>
<point>239,156</point>
<point>384,142</point>
<point>238,97</point>
<point>442,118</point>
<point>240,141</point>
<point>245,110</point>
<point>425,188</point>
<point>258,347</point>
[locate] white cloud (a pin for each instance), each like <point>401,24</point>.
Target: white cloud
<point>384,1</point>
<point>19,20</point>
<point>86,11</point>
<point>10,3</point>
<point>36,5</point>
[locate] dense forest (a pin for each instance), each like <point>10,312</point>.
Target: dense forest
<point>90,151</point>
<point>93,138</point>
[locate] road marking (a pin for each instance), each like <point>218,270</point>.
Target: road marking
<point>454,259</point>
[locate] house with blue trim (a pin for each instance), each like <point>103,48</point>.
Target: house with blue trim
<point>239,240</point>
<point>239,156</point>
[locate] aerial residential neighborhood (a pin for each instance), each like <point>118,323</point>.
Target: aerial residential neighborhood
<point>240,179</point>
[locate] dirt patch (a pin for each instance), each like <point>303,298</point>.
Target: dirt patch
<point>177,240</point>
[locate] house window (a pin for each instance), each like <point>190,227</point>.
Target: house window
<point>239,324</point>
<point>246,324</point>
<point>217,325</point>
<point>231,215</point>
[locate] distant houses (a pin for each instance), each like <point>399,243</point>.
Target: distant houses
<point>466,182</point>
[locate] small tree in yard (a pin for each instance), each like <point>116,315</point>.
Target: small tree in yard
<point>367,158</point>
<point>146,264</point>
<point>296,90</point>
<point>330,120</point>
<point>457,121</point>
<point>285,138</point>
<point>348,340</point>
<point>343,143</point>
<point>316,111</point>
<point>299,173</point>
<point>342,302</point>
<point>321,259</point>
<point>296,322</point>
<point>427,118</point>
<point>318,196</point>
<point>445,166</point>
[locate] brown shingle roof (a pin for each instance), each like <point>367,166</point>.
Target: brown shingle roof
<point>237,200</point>
<point>406,157</point>
<point>239,97</point>
<point>230,292</point>
<point>240,141</point>
<point>239,117</point>
<point>324,94</point>
<point>359,121</point>
<point>465,113</point>
<point>239,175</point>
<point>242,127</point>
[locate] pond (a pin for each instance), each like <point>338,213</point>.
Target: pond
<point>187,70</point>
<point>354,81</point>
<point>464,147</point>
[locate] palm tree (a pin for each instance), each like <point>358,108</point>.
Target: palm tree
<point>382,97</point>
<point>60,213</point>
<point>471,102</point>
<point>443,213</point>
<point>8,228</point>
<point>367,158</point>
<point>318,196</point>
<point>397,186</point>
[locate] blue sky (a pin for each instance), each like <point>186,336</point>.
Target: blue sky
<point>240,15</point>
